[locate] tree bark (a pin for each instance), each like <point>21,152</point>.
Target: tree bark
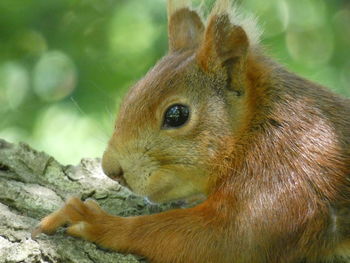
<point>33,184</point>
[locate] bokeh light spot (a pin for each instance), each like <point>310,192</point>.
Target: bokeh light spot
<point>63,132</point>
<point>306,15</point>
<point>274,15</point>
<point>32,42</point>
<point>259,7</point>
<point>314,47</point>
<point>277,19</point>
<point>14,85</point>
<point>342,25</point>
<point>131,31</point>
<point>54,76</point>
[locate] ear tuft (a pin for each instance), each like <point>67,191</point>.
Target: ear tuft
<point>229,35</point>
<point>175,5</point>
<point>238,17</point>
<point>223,42</point>
<point>225,48</point>
<point>221,7</point>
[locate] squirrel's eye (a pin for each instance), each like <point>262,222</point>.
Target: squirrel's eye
<point>176,116</point>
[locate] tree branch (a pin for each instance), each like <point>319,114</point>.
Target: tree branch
<point>33,184</point>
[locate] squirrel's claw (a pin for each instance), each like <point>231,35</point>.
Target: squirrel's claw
<point>53,221</point>
<point>37,231</point>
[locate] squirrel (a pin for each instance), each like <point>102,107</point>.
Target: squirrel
<point>267,151</point>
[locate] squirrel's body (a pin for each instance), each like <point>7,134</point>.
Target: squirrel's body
<point>293,178</point>
<point>269,150</point>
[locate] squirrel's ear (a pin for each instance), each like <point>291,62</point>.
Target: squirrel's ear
<point>225,46</point>
<point>185,26</point>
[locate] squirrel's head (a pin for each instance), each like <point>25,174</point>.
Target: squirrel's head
<point>175,122</point>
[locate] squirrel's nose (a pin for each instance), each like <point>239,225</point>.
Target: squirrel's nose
<point>111,167</point>
<point>115,174</point>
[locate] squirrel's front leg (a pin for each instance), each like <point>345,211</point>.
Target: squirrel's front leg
<point>84,219</point>
<point>182,235</point>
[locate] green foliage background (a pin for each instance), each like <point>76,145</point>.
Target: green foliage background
<point>65,65</point>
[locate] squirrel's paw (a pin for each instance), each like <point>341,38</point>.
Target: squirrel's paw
<point>81,217</point>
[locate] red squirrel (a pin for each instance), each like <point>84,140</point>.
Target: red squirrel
<point>216,117</point>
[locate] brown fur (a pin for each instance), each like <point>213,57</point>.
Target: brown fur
<point>268,149</point>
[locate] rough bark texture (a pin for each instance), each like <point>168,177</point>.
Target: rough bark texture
<point>33,184</point>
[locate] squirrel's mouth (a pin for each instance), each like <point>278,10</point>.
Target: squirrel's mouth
<point>121,180</point>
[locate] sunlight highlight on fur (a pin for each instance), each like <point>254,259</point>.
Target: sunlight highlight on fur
<point>239,17</point>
